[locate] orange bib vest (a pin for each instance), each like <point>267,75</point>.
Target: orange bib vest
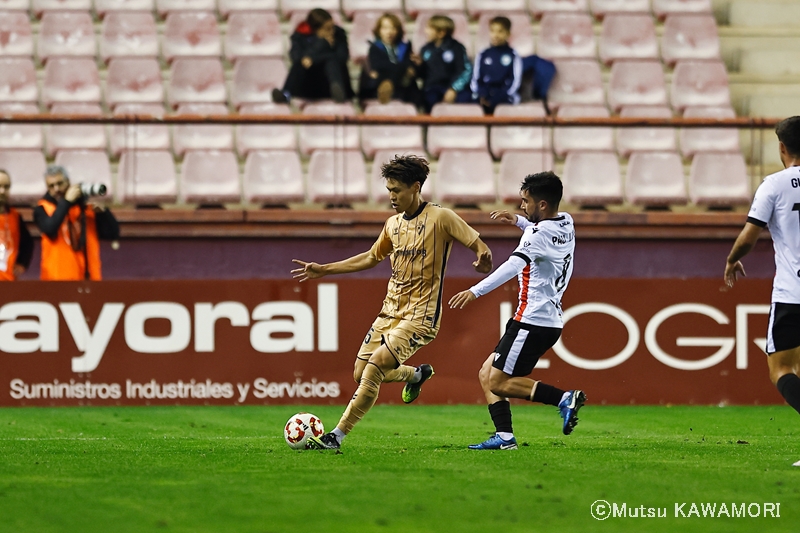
<point>9,243</point>
<point>59,260</point>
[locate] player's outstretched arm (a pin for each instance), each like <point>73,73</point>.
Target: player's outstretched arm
<point>483,263</point>
<point>504,272</point>
<point>744,244</point>
<point>356,263</point>
<point>509,218</point>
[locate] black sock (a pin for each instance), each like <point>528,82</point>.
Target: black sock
<point>547,394</point>
<point>501,416</point>
<point>789,387</point>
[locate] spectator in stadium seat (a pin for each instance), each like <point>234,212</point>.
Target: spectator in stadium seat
<point>319,55</point>
<point>71,229</point>
<point>442,64</point>
<point>389,73</point>
<point>16,244</point>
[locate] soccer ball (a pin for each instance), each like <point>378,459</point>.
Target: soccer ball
<point>300,427</point>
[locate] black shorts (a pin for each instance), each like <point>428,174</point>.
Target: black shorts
<point>784,327</point>
<point>521,347</point>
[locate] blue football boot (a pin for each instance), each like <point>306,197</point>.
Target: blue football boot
<point>495,443</point>
<point>569,409</point>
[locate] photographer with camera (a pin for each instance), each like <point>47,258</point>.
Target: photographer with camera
<point>71,228</point>
<point>16,244</point>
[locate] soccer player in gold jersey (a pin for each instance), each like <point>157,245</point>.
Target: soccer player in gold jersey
<point>418,239</point>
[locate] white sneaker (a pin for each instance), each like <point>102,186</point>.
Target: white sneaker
<point>796,464</point>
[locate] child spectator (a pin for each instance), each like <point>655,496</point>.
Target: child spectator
<point>319,57</point>
<point>498,69</point>
<point>389,73</point>
<point>443,65</point>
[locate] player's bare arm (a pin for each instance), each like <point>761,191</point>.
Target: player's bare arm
<point>483,263</point>
<point>357,263</point>
<point>744,244</point>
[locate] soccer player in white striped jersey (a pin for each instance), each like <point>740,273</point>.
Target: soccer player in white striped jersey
<point>543,264</point>
<point>777,205</point>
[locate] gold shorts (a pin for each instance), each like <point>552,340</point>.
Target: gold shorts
<point>401,337</point>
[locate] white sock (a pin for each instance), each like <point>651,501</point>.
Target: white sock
<point>339,434</point>
<point>564,397</point>
<point>417,376</point>
<point>505,435</point>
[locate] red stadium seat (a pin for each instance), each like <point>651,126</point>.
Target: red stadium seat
<point>290,7</point>
<point>134,80</point>
<point>229,7</point>
<point>324,137</point>
<point>197,80</point>
<point>202,137</point>
<point>635,82</point>
<point>19,136</point>
<point>16,36</point>
<point>337,177</point>
<point>517,164</point>
<point>26,169</point>
<point>210,177</point>
<point>378,193</point>
<point>273,177</point>
<point>15,5</point>
<point>540,7</point>
<point>76,136</point>
<point>41,6</point>
<point>128,35</point>
<point>700,83</point>
<point>255,34</point>
<point>254,78</point>
<point>600,8</point>
<point>689,37</point>
<point>476,8</point>
<point>139,136</point>
<point>67,34</point>
<point>191,34</point>
<point>352,8</point>
<point>18,80</point>
<point>719,180</point>
<point>461,33</point>
<point>361,34</point>
<point>521,38</point>
<point>465,177</point>
<point>414,7</point>
<point>505,138</point>
<point>104,7</point>
<point>582,138</point>
<point>169,6</point>
<point>695,140</point>
<point>566,35</point>
<point>387,137</point>
<point>628,36</point>
<point>592,178</point>
<point>456,137</point>
<point>87,165</point>
<point>71,80</point>
<point>147,177</point>
<point>265,136</point>
<point>663,8</point>
<point>645,139</point>
<point>577,81</point>
<point>655,179</point>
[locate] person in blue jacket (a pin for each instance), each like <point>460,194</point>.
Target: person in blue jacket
<point>389,73</point>
<point>497,75</point>
<point>442,64</point>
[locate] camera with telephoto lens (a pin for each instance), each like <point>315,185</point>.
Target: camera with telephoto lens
<point>92,189</point>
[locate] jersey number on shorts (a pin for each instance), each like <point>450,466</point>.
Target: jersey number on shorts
<point>369,335</point>
<point>796,207</point>
<point>561,281</point>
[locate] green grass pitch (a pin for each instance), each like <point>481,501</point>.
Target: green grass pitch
<point>404,469</point>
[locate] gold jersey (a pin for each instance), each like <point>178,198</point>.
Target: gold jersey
<point>419,247</point>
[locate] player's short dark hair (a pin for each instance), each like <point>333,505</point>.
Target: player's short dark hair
<point>317,17</point>
<point>407,169</point>
<point>544,186</point>
<point>505,22</point>
<point>788,131</point>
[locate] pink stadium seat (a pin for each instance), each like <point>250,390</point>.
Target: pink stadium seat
<point>386,137</point>
<point>636,82</point>
<point>290,7</point>
<point>169,6</point>
<point>210,177</point>
<point>147,177</point>
<point>540,7</point>
<point>456,137</point>
<point>645,139</point>
<point>505,138</point>
<point>337,177</point>
<point>228,7</point>
<point>128,35</point>
<point>694,140</point>
<point>521,38</point>
<point>134,80</point>
<point>76,136</point>
<point>700,83</point>
<point>689,37</point>
<point>655,179</point>
<point>20,136</point>
<point>577,81</point>
<point>461,33</point>
<point>568,139</point>
<point>413,7</point>
<point>70,80</point>
<point>203,137</point>
<point>26,169</point>
<point>663,8</point>
<point>517,164</point>
<point>719,179</point>
<point>139,136</point>
<point>197,80</point>
<point>16,36</point>
<point>68,34</point>
<point>566,35</point>
<point>361,34</point>
<point>18,80</point>
<point>476,8</point>
<point>325,137</point>
<point>602,7</point>
<point>87,165</point>
<point>352,7</point>
<point>253,34</point>
<point>15,5</point>
<point>273,177</point>
<point>378,193</point>
<point>592,178</point>
<point>41,6</point>
<point>265,136</point>
<point>104,7</point>
<point>465,177</point>
<point>191,34</point>
<point>628,36</point>
<point>254,78</point>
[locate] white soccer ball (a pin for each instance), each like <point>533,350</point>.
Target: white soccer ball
<point>300,427</point>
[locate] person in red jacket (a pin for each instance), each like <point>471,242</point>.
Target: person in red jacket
<point>16,244</point>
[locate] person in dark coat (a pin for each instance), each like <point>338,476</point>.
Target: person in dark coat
<point>497,75</point>
<point>442,64</point>
<point>389,73</point>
